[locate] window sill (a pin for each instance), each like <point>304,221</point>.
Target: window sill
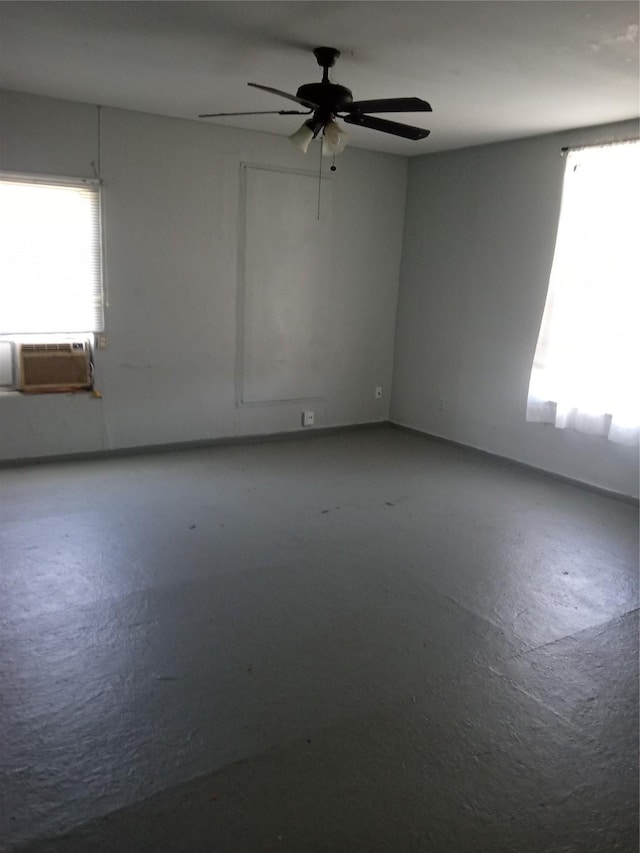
<point>89,392</point>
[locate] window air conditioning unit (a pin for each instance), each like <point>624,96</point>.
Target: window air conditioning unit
<point>54,367</point>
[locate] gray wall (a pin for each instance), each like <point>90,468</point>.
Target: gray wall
<point>480,228</point>
<point>172,209</point>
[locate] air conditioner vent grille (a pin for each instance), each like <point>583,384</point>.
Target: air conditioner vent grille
<point>54,347</point>
<point>54,367</point>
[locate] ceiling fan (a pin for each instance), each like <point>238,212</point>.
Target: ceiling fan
<point>325,101</point>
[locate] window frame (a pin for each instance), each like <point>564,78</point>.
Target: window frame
<point>11,341</point>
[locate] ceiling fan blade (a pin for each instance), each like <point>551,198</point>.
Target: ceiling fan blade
<point>390,105</point>
<point>309,104</point>
<point>260,113</point>
<point>386,126</point>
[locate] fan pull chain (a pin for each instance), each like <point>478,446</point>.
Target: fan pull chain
<point>319,179</point>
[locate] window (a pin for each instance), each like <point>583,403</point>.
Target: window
<point>585,371</point>
<point>50,263</point>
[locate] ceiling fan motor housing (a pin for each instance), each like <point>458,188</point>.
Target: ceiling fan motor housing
<point>330,97</point>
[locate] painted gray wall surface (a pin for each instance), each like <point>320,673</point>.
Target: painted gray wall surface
<point>285,239</point>
<point>171,216</point>
<point>480,228</point>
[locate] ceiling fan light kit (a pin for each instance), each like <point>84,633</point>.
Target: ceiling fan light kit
<point>325,101</point>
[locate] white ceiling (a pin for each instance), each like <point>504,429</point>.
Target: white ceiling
<point>491,70</point>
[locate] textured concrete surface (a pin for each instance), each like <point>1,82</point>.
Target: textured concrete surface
<point>360,642</point>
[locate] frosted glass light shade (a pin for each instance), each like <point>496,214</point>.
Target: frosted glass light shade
<point>334,139</point>
<point>302,137</point>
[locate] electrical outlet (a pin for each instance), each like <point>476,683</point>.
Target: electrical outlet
<point>307,419</point>
<point>441,404</point>
<point>101,341</point>
<point>378,392</point>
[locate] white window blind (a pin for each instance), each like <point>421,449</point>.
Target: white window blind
<point>50,256</point>
<point>586,369</point>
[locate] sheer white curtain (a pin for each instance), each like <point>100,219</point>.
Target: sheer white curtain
<point>585,371</point>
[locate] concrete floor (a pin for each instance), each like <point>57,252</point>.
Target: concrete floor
<point>361,642</point>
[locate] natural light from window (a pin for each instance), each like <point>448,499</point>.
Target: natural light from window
<point>50,257</point>
<point>585,372</point>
